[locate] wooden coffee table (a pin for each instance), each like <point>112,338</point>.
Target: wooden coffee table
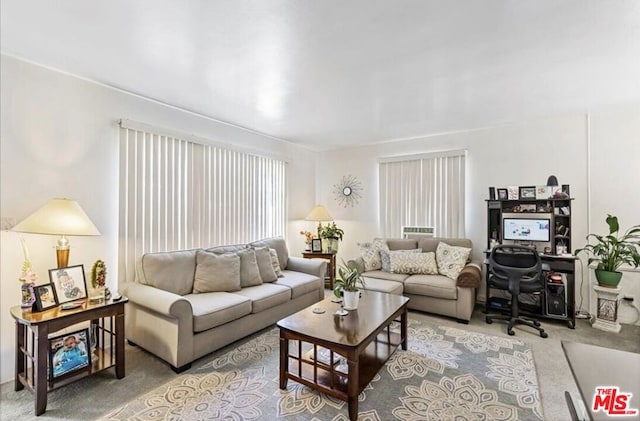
<point>339,355</point>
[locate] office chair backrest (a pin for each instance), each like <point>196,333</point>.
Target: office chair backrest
<point>510,261</point>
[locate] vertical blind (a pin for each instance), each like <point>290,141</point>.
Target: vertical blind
<point>178,193</point>
<point>423,190</point>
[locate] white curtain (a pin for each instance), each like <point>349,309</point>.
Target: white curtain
<point>423,190</point>
<point>181,194</point>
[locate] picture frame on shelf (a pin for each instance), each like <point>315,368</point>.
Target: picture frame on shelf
<point>527,192</point>
<point>502,194</point>
<point>512,193</point>
<point>45,297</point>
<point>69,283</point>
<point>316,245</point>
<point>69,353</point>
<point>543,192</point>
<point>566,190</point>
<point>492,193</point>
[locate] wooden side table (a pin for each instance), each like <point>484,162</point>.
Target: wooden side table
<point>331,257</point>
<point>32,344</point>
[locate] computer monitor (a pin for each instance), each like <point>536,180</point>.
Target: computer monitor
<point>529,229</point>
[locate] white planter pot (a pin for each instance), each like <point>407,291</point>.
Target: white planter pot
<point>351,299</point>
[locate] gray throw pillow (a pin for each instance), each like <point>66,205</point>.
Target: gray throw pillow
<point>249,272</point>
<point>275,263</point>
<point>267,273</point>
<point>216,272</point>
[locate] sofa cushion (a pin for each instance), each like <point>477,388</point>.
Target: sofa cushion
<point>370,253</point>
<point>171,271</point>
<point>451,259</point>
<point>385,256</point>
<point>275,262</point>
<point>266,296</point>
<point>213,309</point>
<point>299,283</point>
<point>267,272</point>
<point>437,286</point>
<point>216,272</point>
<point>383,285</point>
<point>402,244</point>
<point>249,272</point>
<point>403,262</point>
<point>431,244</point>
<point>379,274</point>
<point>227,249</point>
<point>279,245</point>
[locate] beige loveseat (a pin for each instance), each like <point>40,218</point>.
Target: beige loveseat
<point>433,293</point>
<point>169,315</point>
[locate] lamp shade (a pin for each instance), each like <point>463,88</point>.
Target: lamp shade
<point>319,213</point>
<point>58,217</point>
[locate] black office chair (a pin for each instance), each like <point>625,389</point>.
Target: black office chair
<point>516,269</point>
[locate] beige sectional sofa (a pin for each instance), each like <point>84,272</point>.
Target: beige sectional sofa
<point>433,292</point>
<point>169,315</point>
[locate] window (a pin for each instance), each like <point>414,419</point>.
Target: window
<point>178,193</point>
<point>423,190</point>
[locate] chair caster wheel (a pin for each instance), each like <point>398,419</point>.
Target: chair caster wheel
<point>543,334</point>
<point>536,323</point>
<point>488,320</point>
<point>511,332</point>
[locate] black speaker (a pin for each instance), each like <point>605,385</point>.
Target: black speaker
<point>555,299</point>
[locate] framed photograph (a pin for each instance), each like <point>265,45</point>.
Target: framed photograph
<point>512,192</point>
<point>502,194</point>
<point>566,190</point>
<point>45,297</point>
<point>316,245</point>
<point>528,192</point>
<point>69,283</point>
<point>528,208</point>
<point>543,192</point>
<point>69,353</point>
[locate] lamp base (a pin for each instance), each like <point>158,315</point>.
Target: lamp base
<point>62,255</point>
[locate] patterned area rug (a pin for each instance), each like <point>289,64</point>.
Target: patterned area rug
<point>447,374</point>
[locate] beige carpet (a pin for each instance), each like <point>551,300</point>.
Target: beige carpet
<point>447,373</point>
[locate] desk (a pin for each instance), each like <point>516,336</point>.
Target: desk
<point>562,264</point>
<point>594,366</point>
<point>32,334</point>
<point>331,257</point>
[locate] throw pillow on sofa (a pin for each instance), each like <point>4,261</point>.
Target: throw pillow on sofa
<point>267,273</point>
<point>216,272</point>
<point>370,253</point>
<point>275,262</point>
<point>386,257</point>
<point>413,263</point>
<point>451,260</point>
<point>249,272</point>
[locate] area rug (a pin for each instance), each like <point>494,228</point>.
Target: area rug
<point>446,374</point>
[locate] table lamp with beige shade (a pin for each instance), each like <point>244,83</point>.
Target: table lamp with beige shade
<point>320,214</point>
<point>61,217</point>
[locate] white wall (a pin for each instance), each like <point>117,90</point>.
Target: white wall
<point>59,139</point>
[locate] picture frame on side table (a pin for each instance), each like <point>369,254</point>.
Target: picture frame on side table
<point>527,192</point>
<point>69,353</point>
<point>69,283</point>
<point>45,297</point>
<point>316,245</point>
<point>502,194</point>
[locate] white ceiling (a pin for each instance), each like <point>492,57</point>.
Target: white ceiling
<point>331,73</point>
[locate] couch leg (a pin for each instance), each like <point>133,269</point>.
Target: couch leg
<point>131,343</point>
<point>179,370</point>
<point>465,322</point>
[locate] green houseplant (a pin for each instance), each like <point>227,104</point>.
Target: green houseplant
<point>346,286</point>
<point>612,251</point>
<point>331,235</point>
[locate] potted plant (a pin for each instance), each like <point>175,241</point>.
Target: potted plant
<point>346,285</point>
<point>331,235</point>
<point>613,251</point>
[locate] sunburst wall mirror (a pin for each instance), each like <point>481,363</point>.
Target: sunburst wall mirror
<point>348,191</point>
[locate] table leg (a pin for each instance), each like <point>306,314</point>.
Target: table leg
<point>284,361</point>
<point>41,353</point>
<point>120,366</point>
<point>403,328</point>
<point>21,336</point>
<point>353,386</point>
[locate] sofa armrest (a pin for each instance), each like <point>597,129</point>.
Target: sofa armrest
<point>358,263</point>
<point>317,267</point>
<point>158,300</point>
<point>470,276</point>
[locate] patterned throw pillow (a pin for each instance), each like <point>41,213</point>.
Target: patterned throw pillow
<point>412,263</point>
<point>386,257</point>
<point>370,253</point>
<point>451,260</point>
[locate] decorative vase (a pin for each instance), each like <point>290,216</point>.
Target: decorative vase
<point>608,279</point>
<point>28,294</point>
<point>351,299</point>
<point>330,245</point>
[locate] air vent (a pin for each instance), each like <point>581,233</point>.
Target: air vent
<point>417,232</point>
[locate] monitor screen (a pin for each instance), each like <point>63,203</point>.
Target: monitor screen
<point>526,229</point>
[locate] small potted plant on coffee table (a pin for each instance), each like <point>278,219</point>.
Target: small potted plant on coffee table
<point>347,282</point>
